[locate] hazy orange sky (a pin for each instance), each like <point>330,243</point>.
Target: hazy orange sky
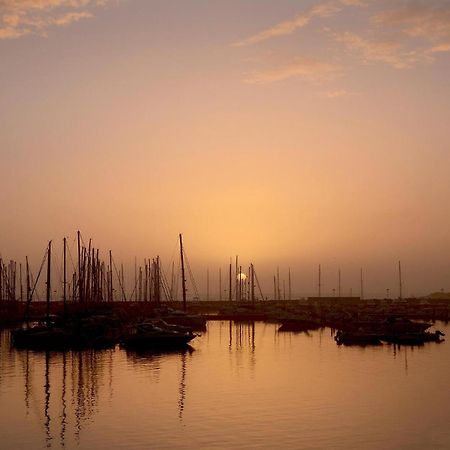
<point>291,133</point>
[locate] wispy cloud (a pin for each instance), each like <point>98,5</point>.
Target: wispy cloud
<point>301,20</point>
<point>388,50</point>
<point>337,93</point>
<point>24,17</point>
<point>308,69</point>
<point>428,20</point>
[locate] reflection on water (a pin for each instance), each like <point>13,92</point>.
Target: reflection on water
<point>241,385</point>
<point>60,390</point>
<point>152,360</point>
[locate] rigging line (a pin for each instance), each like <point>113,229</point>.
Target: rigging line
<point>71,259</point>
<point>257,282</point>
<point>172,256</point>
<point>177,279</point>
<point>118,277</point>
<point>39,274</point>
<point>191,276</point>
<point>165,285</point>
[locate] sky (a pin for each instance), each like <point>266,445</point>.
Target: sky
<point>292,133</point>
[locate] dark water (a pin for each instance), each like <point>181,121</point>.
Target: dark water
<point>244,386</point>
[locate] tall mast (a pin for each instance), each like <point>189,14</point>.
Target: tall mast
<point>20,281</point>
<point>49,287</point>
<point>229,287</point>
<point>362,285</point>
<point>252,283</point>
<point>65,276</point>
<point>183,278</point>
<point>320,281</point>
<point>111,277</point>
<point>172,280</point>
<point>220,284</point>
<point>123,282</point>
<point>278,284</point>
<point>289,291</point>
<point>27,307</point>
<point>339,282</point>
<point>80,283</point>
<point>207,284</point>
<point>240,283</point>
<point>236,284</point>
<point>400,279</point>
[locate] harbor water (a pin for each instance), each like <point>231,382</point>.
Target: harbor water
<point>241,385</point>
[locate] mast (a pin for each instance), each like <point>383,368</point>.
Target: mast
<point>252,283</point>
<point>27,307</point>
<point>289,280</point>
<point>49,258</point>
<point>135,278</point>
<point>400,279</point>
<point>207,284</point>
<point>80,283</point>
<point>172,281</point>
<point>123,282</point>
<point>278,284</point>
<point>183,278</point>
<point>158,280</point>
<point>229,287</point>
<point>362,285</point>
<point>220,284</point>
<point>240,283</point>
<point>20,281</point>
<point>111,277</point>
<point>320,280</point>
<point>339,282</point>
<point>65,276</point>
<point>236,284</point>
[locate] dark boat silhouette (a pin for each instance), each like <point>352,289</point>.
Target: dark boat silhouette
<point>160,335</point>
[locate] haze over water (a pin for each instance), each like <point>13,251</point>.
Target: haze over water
<point>244,386</point>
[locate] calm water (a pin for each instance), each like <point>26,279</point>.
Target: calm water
<point>244,386</point>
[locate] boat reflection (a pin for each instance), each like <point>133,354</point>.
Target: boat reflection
<point>243,335</point>
<point>153,359</point>
<point>75,379</point>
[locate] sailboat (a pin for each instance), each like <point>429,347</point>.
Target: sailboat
<point>157,334</point>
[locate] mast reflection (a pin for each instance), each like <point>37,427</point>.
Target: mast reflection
<point>72,377</point>
<point>153,360</point>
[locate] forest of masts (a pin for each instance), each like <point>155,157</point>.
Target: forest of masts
<point>92,279</point>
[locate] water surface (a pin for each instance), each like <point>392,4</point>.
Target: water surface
<point>241,386</point>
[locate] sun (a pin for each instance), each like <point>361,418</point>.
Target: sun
<point>242,276</point>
